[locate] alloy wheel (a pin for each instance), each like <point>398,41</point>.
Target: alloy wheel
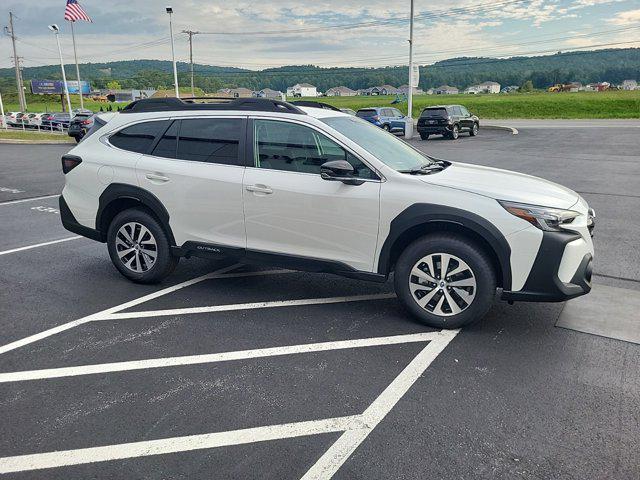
<point>136,247</point>
<point>442,284</point>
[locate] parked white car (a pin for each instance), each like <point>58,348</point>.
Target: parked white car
<point>319,190</point>
<point>13,118</point>
<point>35,120</point>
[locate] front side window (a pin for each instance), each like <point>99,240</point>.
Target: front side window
<point>296,148</point>
<point>139,137</point>
<point>211,140</point>
<point>465,112</point>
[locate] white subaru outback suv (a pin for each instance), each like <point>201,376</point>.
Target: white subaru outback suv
<point>314,189</point>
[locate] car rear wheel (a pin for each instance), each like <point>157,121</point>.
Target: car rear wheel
<point>139,247</point>
<point>424,136</point>
<point>474,130</point>
<point>455,132</point>
<point>386,127</point>
<point>445,281</point>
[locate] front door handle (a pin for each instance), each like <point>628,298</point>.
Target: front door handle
<point>259,189</point>
<point>156,177</point>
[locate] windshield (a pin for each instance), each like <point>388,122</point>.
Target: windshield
<point>390,150</point>
<point>435,112</point>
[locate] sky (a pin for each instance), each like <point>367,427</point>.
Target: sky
<point>257,35</point>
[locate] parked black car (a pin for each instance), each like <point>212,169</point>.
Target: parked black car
<point>447,120</point>
<point>55,120</point>
<point>80,125</point>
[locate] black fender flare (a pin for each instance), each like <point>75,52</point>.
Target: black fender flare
<point>425,213</point>
<point>119,191</point>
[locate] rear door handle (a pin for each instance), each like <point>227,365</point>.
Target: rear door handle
<point>157,177</point>
<point>259,189</point>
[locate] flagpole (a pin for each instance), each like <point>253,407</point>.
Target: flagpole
<point>75,55</point>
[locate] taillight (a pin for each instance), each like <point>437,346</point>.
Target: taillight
<point>86,122</point>
<point>69,162</point>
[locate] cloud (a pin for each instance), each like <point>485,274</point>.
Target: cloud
<point>626,18</point>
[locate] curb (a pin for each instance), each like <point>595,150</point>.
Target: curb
<point>16,141</point>
<point>514,131</point>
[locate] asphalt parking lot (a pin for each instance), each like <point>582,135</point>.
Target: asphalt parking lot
<point>236,371</point>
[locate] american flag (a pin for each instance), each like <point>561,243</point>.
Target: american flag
<point>74,12</point>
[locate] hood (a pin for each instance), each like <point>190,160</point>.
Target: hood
<point>504,185</point>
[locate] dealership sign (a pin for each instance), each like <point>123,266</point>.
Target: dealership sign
<point>56,87</point>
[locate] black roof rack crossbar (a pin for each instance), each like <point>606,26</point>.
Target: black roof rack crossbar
<point>220,103</point>
<point>311,103</point>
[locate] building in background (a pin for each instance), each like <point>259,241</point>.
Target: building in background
<point>404,90</point>
<point>629,85</point>
<point>445,90</point>
<point>302,90</point>
<point>484,87</point>
<point>341,91</point>
<point>271,94</point>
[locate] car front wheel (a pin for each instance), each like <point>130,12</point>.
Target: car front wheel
<point>424,136</point>
<point>474,130</point>
<point>445,281</point>
<point>139,247</point>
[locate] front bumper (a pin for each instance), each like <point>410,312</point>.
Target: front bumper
<point>543,283</point>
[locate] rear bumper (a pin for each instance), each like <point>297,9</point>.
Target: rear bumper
<point>434,129</point>
<point>70,223</point>
<point>543,283</point>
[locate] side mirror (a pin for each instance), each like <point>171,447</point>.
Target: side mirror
<point>339,171</point>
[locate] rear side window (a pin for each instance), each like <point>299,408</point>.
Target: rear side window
<point>366,113</point>
<point>212,140</point>
<point>168,144</point>
<point>139,137</point>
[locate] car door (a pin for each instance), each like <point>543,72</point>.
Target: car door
<point>398,119</point>
<point>195,168</point>
<point>290,210</point>
<point>466,119</point>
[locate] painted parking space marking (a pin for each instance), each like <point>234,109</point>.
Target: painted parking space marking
<point>38,245</point>
<point>80,456</point>
<point>10,190</point>
<point>356,428</point>
<point>42,208</point>
<point>214,357</point>
<point>32,199</point>
<point>245,306</point>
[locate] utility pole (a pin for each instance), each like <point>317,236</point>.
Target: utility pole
<point>408,128</point>
<point>10,31</point>
<point>191,33</point>
<point>169,11</point>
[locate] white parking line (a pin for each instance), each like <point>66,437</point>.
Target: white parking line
<point>349,441</point>
<point>214,357</point>
<point>106,453</point>
<point>356,428</point>
<point>32,199</point>
<point>37,245</point>
<point>246,306</point>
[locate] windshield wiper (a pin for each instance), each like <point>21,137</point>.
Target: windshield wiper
<point>427,169</point>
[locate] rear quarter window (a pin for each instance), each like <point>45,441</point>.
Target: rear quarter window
<point>139,137</point>
<point>366,113</point>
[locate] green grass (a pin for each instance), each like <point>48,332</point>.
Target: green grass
<point>613,104</point>
<point>18,135</point>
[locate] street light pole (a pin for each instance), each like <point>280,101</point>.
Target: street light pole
<point>54,28</point>
<point>75,56</point>
<point>169,10</point>
<point>408,129</point>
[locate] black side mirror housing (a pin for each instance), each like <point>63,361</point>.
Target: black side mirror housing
<point>338,171</point>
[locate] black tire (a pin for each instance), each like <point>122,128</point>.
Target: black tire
<point>77,138</point>
<point>164,263</point>
<point>477,262</point>
<point>424,136</point>
<point>474,130</point>
<point>455,132</point>
<point>386,127</point>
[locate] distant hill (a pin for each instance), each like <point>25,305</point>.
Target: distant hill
<point>612,65</point>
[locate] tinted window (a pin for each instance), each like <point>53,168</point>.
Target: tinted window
<point>435,112</point>
<point>296,148</point>
<point>168,144</point>
<point>457,111</point>
<point>213,140</point>
<point>465,112</point>
<point>397,113</point>
<point>139,137</point>
<point>367,113</point>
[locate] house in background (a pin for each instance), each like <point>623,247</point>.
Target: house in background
<point>484,87</point>
<point>302,90</point>
<point>404,90</point>
<point>340,92</point>
<point>269,93</point>
<point>629,85</point>
<point>597,87</point>
<point>240,92</point>
<point>445,90</point>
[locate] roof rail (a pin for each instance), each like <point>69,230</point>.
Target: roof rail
<point>210,103</point>
<point>313,104</point>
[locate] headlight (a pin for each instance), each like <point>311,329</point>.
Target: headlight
<point>545,218</point>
